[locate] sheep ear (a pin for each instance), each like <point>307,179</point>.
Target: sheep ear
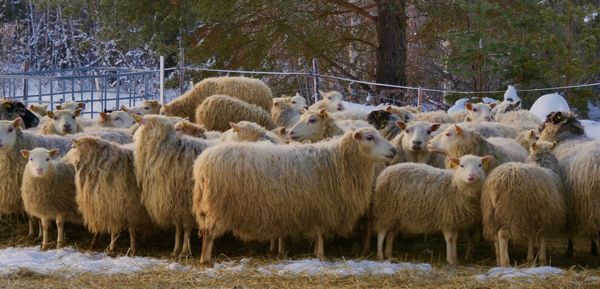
<point>25,154</point>
<point>124,108</point>
<point>53,153</point>
<point>454,162</point>
<point>17,122</point>
<point>104,115</point>
<point>493,104</point>
<point>435,126</point>
<point>59,107</point>
<point>357,135</point>
<point>469,106</point>
<point>531,133</point>
<point>154,102</point>
<point>516,104</point>
<point>81,105</point>
<point>31,107</point>
<point>468,119</point>
<point>50,114</point>
<point>76,142</point>
<point>234,126</point>
<point>401,124</point>
<point>554,143</point>
<point>458,129</point>
<point>487,159</point>
<point>534,146</point>
<point>323,113</point>
<point>138,118</point>
<point>282,130</point>
<point>78,112</point>
<point>388,108</point>
<point>187,118</point>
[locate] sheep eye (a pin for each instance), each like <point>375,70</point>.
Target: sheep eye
<point>479,165</point>
<point>146,108</point>
<point>407,131</point>
<point>55,118</point>
<point>48,159</point>
<point>369,138</point>
<point>116,118</point>
<point>329,98</point>
<point>428,132</point>
<point>312,120</point>
<point>462,166</point>
<point>31,159</point>
<point>73,117</point>
<point>293,102</point>
<point>447,134</point>
<point>475,110</point>
<point>10,130</point>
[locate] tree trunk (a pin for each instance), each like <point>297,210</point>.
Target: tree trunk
<point>391,35</point>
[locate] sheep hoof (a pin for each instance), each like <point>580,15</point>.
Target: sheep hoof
<point>184,255</point>
<point>59,245</point>
<point>281,255</point>
<point>45,247</point>
<point>131,253</point>
<point>206,264</point>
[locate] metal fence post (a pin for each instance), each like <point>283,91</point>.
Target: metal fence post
<point>181,64</point>
<point>162,79</point>
<point>419,97</point>
<point>315,74</point>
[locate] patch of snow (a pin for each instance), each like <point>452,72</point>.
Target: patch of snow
<point>592,128</point>
<point>69,261</point>
<point>590,17</point>
<point>362,107</point>
<point>459,105</point>
<point>511,92</point>
<point>593,111</point>
<point>509,273</point>
<point>314,267</point>
<point>489,100</point>
<point>548,103</point>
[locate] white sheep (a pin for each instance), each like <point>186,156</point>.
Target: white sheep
<point>330,101</point>
<point>479,112</point>
<point>62,122</point>
<point>411,144</point>
<point>116,119</point>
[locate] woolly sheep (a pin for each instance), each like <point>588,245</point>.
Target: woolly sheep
<point>62,122</point>
<point>70,105</point>
<point>521,120</point>
<point>527,137</point>
<point>479,112</point>
<point>249,90</point>
<point>411,144</point>
<point>116,119</point>
<point>108,195</point>
<point>283,113</point>
<point>149,106</point>
<point>163,166</point>
<point>456,142</point>
<point>491,129</point>
<point>217,111</point>
<point>438,116</point>
<point>48,192</point>
<point>385,122</point>
<point>350,115</point>
<point>579,160</point>
<point>184,127</point>
<point>523,201</point>
<point>314,126</point>
<point>246,131</point>
<point>330,101</point>
<point>405,113</point>
<point>420,199</point>
<point>329,185</point>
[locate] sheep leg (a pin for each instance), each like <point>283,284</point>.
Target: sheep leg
<point>542,257</point>
<point>177,247</point>
<point>367,238</point>
<point>389,244</point>
<point>320,247</point>
<point>594,247</point>
<point>448,236</point>
<point>132,244</point>
<point>60,228</point>
<point>187,234</point>
<point>569,252</point>
<point>503,248</point>
<point>380,239</point>
<point>31,227</point>
<point>455,246</point>
<point>207,247</point>
<point>93,242</point>
<point>45,227</point>
<point>281,249</point>
<point>497,251</point>
<point>272,246</point>
<point>40,229</point>
<point>113,242</point>
<point>530,248</point>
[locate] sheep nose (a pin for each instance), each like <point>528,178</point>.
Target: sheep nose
<point>67,126</point>
<point>291,133</point>
<point>40,170</point>
<point>394,151</point>
<point>417,142</point>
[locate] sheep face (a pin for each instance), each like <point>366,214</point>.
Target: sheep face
<point>528,137</point>
<point>184,127</point>
<point>402,112</point>
<point>70,105</point>
<point>297,102</point>
<point>469,169</point>
<point>65,121</point>
<point>379,118</point>
<point>560,126</point>
<point>417,135</point>
<point>132,110</point>
<point>373,144</point>
<point>39,109</point>
<point>8,134</point>
<point>333,99</point>
<point>280,131</point>
<point>479,112</point>
<point>118,119</point>
<point>39,160</point>
<point>150,107</point>
<point>246,131</point>
<point>505,107</point>
<point>166,110</point>
<point>310,126</point>
<point>442,142</point>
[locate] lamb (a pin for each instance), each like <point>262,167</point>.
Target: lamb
<point>579,160</point>
<point>524,201</point>
<point>116,119</point>
<point>246,131</point>
<point>70,105</point>
<point>330,101</point>
<point>62,122</point>
<point>249,90</point>
<point>314,126</point>
<point>163,166</point>
<point>419,199</point>
<point>456,142</point>
<point>438,116</point>
<point>479,112</point>
<point>527,137</point>
<point>217,111</point>
<point>411,144</point>
<point>149,106</point>
<point>329,185</point>
<point>283,113</point>
<point>108,195</point>
<point>48,192</point>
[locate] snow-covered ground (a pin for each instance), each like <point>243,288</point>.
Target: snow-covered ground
<point>509,273</point>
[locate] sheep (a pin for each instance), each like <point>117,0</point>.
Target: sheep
<point>524,201</point>
<point>521,120</point>
<point>281,132</point>
<point>299,189</point>
<point>505,107</point>
<point>330,101</point>
<point>527,137</point>
<point>108,195</point>
<point>283,113</point>
<point>438,116</point>
<point>116,119</point>
<point>297,102</point>
<point>385,121</point>
<point>419,199</point>
<point>39,110</point>
<point>250,90</point>
<point>350,115</point>
<point>314,126</point>
<point>405,113</point>
<point>149,106</point>
<point>217,111</point>
<point>163,166</point>
<point>479,112</point>
<point>579,160</point>
<point>48,191</point>
<point>70,105</point>
<point>246,131</point>
<point>401,109</point>
<point>411,144</point>
<point>62,122</point>
<point>11,110</point>
<point>491,129</point>
<point>459,116</point>
<point>456,142</point>
<point>184,127</point>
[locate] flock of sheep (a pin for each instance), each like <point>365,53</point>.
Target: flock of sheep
<point>228,157</point>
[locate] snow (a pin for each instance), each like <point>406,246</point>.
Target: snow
<point>548,103</point>
<point>509,273</point>
<point>459,105</point>
<point>589,18</point>
<point>314,267</point>
<point>511,92</point>
<point>362,107</point>
<point>489,100</point>
<point>592,128</point>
